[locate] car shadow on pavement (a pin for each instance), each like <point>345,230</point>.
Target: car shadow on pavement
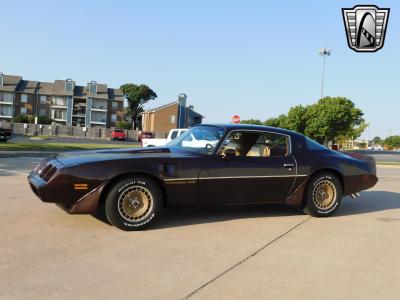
<point>184,216</point>
<point>369,202</point>
<point>176,217</point>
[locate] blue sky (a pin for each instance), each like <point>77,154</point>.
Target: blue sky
<point>252,58</point>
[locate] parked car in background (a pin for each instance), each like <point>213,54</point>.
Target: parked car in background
<point>376,148</point>
<point>5,134</point>
<point>118,134</point>
<point>173,134</point>
<point>145,135</point>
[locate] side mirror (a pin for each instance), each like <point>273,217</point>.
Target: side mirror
<point>228,153</point>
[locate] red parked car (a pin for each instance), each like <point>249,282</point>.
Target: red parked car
<point>118,134</point>
<point>145,135</point>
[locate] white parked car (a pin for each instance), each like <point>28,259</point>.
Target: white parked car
<point>173,134</point>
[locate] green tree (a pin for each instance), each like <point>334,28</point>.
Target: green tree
<point>392,142</point>
<point>330,118</point>
<point>296,119</point>
<point>251,121</point>
<point>377,140</point>
<point>137,96</point>
<point>280,121</point>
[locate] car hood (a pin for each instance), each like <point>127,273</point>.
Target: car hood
<point>82,157</point>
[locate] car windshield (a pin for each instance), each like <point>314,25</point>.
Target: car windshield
<point>200,139</point>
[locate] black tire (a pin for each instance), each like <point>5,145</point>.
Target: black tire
<point>134,203</point>
<point>323,195</point>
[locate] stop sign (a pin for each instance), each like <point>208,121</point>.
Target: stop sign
<point>235,119</point>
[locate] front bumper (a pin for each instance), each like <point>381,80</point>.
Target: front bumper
<point>49,183</point>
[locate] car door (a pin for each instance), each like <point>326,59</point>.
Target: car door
<point>247,179</point>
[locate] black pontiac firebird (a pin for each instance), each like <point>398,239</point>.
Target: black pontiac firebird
<point>209,164</point>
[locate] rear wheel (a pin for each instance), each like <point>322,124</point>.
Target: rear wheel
<point>323,195</point>
<point>133,203</point>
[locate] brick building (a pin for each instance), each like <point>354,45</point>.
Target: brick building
<point>169,116</point>
<point>64,102</point>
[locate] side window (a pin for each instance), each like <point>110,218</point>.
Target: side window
<point>256,144</point>
<point>174,134</point>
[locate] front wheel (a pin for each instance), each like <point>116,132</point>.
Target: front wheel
<point>133,203</point>
<point>323,195</point>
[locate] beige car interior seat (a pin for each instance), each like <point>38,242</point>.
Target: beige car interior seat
<point>259,150</point>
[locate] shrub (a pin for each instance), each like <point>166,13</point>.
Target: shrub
<point>123,125</point>
<point>43,120</point>
<point>20,119</point>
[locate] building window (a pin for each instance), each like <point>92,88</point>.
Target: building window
<point>7,97</point>
<point>42,112</point>
<point>92,87</point>
<point>69,85</point>
<point>113,118</point>
<point>43,99</point>
<point>99,104</point>
<point>1,79</point>
<point>58,114</point>
<point>24,98</point>
<point>6,110</point>
<point>98,117</point>
<point>173,119</point>
<point>114,105</point>
<point>58,101</point>
<point>23,110</point>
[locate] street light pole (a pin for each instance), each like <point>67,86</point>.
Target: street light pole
<point>323,52</point>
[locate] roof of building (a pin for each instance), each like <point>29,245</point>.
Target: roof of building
<point>45,88</point>
<point>101,92</point>
<point>27,86</point>
<point>192,112</point>
<point>80,91</point>
<point>115,94</point>
<point>16,83</point>
<point>58,88</point>
<point>195,114</point>
<point>160,107</point>
<point>10,83</point>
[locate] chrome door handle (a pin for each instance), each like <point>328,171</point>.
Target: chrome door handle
<point>288,165</point>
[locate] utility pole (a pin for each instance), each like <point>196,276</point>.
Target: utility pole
<point>323,52</point>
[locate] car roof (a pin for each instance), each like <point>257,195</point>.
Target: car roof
<point>231,126</point>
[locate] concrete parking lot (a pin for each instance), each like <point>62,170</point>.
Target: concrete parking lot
<point>257,252</point>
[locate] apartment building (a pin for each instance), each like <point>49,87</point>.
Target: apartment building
<point>64,102</point>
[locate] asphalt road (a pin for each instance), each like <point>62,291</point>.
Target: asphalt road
<point>254,252</point>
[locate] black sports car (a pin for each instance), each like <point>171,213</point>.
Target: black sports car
<point>209,164</point>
